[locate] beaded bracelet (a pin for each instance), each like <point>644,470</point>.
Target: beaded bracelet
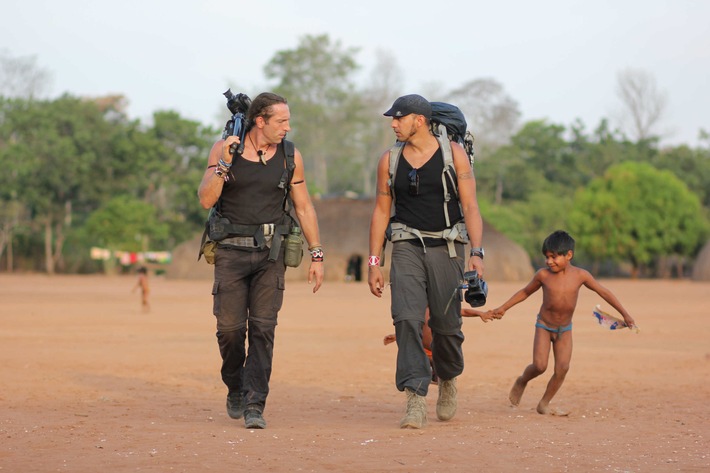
<point>316,254</point>
<point>224,164</point>
<point>223,173</point>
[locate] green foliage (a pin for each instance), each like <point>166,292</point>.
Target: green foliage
<point>65,158</point>
<point>127,224</point>
<point>637,213</point>
<point>692,166</point>
<point>69,163</point>
<point>528,223</point>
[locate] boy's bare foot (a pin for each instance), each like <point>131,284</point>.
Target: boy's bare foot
<point>545,409</point>
<point>516,392</point>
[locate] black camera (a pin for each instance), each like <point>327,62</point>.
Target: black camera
<point>476,289</point>
<point>237,125</point>
<point>237,103</point>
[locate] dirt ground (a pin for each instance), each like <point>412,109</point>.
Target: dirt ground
<point>91,383</point>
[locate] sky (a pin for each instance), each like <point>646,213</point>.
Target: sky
<point>559,59</point>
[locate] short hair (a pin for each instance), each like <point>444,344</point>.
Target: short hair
<point>558,242</point>
<point>262,105</point>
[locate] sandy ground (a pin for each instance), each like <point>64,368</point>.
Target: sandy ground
<point>90,383</point>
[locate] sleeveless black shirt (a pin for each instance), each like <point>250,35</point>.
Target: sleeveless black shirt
<point>252,195</point>
<point>424,211</point>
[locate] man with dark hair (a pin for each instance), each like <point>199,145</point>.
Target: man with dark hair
<point>429,232</point>
<point>250,192</point>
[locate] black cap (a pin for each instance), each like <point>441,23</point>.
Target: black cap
<point>408,104</point>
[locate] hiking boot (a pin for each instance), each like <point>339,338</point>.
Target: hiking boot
<point>446,404</point>
<point>253,418</point>
<point>415,417</point>
<point>235,405</point>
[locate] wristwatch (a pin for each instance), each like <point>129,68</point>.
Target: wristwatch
<point>478,251</point>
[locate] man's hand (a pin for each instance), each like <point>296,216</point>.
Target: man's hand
<point>227,155</point>
<point>375,280</point>
<point>476,263</point>
<point>315,273</point>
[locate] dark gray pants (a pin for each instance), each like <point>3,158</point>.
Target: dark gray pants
<point>248,294</point>
<point>420,280</point>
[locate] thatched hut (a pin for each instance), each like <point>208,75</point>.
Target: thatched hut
<point>701,268</point>
<point>344,227</point>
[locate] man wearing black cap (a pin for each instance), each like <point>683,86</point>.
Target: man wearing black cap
<point>429,233</point>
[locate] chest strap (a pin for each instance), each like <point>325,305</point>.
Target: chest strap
<point>397,231</point>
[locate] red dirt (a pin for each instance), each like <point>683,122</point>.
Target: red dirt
<point>91,383</point>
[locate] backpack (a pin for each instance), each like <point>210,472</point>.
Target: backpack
<point>217,227</point>
<point>447,124</point>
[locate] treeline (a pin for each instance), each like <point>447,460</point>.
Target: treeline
<point>78,173</point>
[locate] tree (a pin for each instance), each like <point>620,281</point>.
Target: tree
<point>376,135</point>
<point>643,104</point>
<point>52,149</point>
<point>21,77</point>
<point>637,214</point>
<point>126,224</point>
<point>492,115</point>
<point>316,80</point>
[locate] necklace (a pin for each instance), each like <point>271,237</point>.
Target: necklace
<point>259,152</point>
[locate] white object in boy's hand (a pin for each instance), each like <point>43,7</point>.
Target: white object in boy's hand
<point>611,322</point>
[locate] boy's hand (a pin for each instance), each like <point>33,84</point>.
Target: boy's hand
<point>487,316</point>
<point>498,313</point>
<point>389,339</point>
<point>629,321</point>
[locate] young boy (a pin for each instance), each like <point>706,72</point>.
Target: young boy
<point>427,337</point>
<point>560,283</point>
<point>142,283</point>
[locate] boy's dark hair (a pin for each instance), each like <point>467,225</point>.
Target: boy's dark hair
<point>143,270</point>
<point>558,242</point>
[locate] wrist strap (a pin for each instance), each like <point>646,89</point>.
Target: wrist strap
<point>316,254</point>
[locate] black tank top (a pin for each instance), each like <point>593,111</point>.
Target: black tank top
<point>424,211</point>
<point>252,195</point>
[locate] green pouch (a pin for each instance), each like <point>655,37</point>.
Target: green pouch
<point>209,249</point>
<point>293,254</point>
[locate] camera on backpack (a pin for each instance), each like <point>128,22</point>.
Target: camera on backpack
<point>476,289</point>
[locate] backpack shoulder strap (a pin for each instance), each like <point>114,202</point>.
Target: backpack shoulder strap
<point>395,154</point>
<point>448,176</point>
<point>287,176</point>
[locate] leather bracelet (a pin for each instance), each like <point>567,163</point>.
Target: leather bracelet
<point>222,173</point>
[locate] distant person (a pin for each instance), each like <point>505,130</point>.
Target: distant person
<point>354,269</point>
<point>560,283</point>
<point>426,335</point>
<point>252,193</point>
<point>142,283</point>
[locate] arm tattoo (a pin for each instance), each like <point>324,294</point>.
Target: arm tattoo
<point>387,192</point>
<point>466,175</point>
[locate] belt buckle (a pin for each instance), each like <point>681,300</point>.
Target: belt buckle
<point>268,229</point>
